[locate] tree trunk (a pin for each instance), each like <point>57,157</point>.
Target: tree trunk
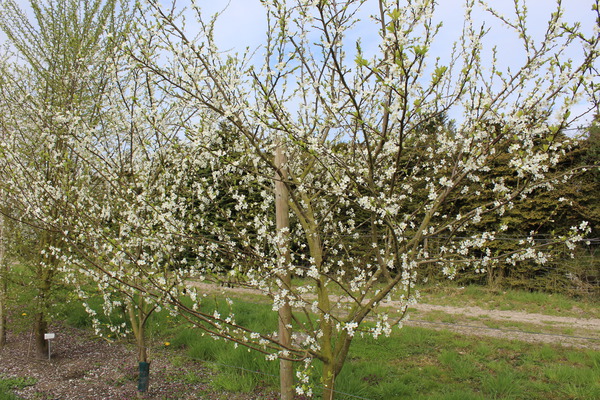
<point>328,380</point>
<point>138,317</point>
<point>3,279</point>
<point>141,347</point>
<point>286,369</point>
<point>327,350</point>
<point>40,324</point>
<point>3,307</point>
<point>40,328</point>
<point>144,365</point>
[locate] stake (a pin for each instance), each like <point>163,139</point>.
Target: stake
<point>49,337</point>
<point>286,369</point>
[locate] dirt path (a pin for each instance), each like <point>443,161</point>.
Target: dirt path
<point>512,325</point>
<point>516,316</point>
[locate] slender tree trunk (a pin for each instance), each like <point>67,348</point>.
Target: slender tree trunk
<point>40,328</point>
<point>40,323</point>
<point>138,317</point>
<point>3,279</point>
<point>328,380</point>
<point>325,324</point>
<point>286,369</point>
<point>143,364</point>
<point>3,305</point>
<point>141,347</point>
<point>328,373</point>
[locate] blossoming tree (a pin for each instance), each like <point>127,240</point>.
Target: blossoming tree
<point>52,78</point>
<point>353,122</point>
<point>181,174</point>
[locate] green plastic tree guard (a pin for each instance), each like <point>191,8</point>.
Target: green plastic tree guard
<point>144,377</point>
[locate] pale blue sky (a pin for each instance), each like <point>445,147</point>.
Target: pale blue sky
<point>243,24</point>
<point>243,21</point>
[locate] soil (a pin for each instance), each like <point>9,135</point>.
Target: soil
<point>85,367</point>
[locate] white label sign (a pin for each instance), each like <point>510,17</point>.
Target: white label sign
<point>49,336</point>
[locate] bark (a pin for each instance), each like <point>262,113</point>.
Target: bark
<point>286,368</point>
<point>138,322</point>
<point>40,324</point>
<point>40,328</point>
<point>3,310</point>
<point>328,380</point>
<point>138,315</point>
<point>141,348</point>
<point>3,281</point>
<point>327,350</point>
<point>333,366</point>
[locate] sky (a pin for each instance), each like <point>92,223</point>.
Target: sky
<point>243,24</point>
<point>243,21</point>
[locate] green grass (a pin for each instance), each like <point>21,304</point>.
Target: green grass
<point>7,385</point>
<point>415,363</point>
<point>232,365</point>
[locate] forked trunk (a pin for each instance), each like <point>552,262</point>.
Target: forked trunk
<point>138,317</point>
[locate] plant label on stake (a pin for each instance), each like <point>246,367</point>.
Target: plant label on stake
<point>48,337</point>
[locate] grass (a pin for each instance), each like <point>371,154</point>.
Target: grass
<point>7,385</point>
<point>414,363</point>
<point>232,365</point>
<point>438,315</point>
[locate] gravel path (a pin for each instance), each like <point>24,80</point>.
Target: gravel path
<point>515,316</point>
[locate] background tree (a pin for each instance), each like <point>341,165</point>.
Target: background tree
<point>3,277</point>
<point>544,215</point>
<point>3,259</point>
<point>54,81</point>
